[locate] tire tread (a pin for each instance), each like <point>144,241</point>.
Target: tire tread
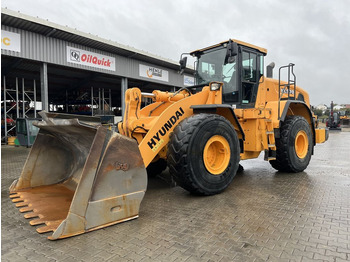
<point>283,162</point>
<point>178,148</point>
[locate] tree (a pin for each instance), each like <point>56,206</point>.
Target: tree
<point>318,112</point>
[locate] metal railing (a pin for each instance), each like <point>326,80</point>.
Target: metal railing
<point>288,88</point>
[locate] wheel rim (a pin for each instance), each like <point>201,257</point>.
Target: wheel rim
<point>301,144</point>
<point>216,154</point>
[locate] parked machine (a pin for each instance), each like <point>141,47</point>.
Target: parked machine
<point>26,132</point>
<point>81,177</point>
<point>344,119</point>
<point>333,122</point>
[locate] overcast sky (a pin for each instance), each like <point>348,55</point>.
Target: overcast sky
<point>313,34</point>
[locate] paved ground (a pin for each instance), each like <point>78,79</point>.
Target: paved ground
<point>262,216</point>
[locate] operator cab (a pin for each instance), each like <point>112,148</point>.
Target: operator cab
<point>237,64</point>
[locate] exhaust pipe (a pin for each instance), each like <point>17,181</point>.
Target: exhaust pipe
<point>269,70</point>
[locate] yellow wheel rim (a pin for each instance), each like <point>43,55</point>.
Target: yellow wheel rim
<point>216,155</point>
<point>301,144</point>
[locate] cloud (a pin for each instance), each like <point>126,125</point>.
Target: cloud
<point>314,35</point>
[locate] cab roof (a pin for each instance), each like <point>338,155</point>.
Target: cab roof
<point>239,42</point>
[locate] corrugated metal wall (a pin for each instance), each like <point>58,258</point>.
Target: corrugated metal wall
<point>54,51</point>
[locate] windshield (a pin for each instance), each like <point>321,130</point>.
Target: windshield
<point>211,68</point>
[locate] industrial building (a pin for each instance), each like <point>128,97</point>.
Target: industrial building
<point>56,68</point>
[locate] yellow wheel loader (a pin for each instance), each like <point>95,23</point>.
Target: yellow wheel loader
<point>81,176</point>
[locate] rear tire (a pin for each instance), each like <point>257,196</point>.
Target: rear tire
<point>294,147</point>
<point>203,154</point>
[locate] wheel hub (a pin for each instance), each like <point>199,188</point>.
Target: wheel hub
<point>216,154</point>
<point>301,144</point>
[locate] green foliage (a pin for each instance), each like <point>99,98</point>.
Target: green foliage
<point>318,112</point>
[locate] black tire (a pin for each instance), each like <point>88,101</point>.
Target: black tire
<point>156,168</point>
<point>287,159</point>
<point>185,154</point>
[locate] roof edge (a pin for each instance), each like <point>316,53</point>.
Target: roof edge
<point>261,49</point>
<point>70,30</point>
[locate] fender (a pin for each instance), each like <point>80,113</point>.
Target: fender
<point>226,111</point>
<point>300,108</point>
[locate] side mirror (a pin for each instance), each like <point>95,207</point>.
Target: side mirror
<point>183,62</point>
<point>231,52</point>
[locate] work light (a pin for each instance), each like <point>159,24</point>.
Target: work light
<point>215,86</point>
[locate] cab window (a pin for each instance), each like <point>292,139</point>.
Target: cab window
<point>249,66</point>
<point>249,77</point>
<point>208,69</point>
<point>230,90</point>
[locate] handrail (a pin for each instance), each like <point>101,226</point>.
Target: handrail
<point>290,83</point>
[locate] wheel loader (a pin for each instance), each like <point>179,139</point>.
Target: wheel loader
<point>333,122</point>
<point>81,176</point>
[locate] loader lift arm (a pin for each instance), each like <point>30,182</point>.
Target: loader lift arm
<point>152,125</point>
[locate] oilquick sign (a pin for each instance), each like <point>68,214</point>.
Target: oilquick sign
<point>10,41</point>
<point>154,73</point>
<point>82,57</point>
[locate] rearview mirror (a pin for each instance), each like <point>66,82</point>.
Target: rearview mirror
<point>183,62</point>
<point>231,52</point>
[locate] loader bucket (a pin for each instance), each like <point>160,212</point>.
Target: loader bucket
<point>79,177</point>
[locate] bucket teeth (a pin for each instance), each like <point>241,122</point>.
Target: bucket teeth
<point>31,215</point>
<point>47,206</point>
<point>22,204</point>
<point>50,226</point>
<point>26,209</point>
<point>44,229</point>
<point>14,195</point>
<point>37,222</point>
<point>16,200</point>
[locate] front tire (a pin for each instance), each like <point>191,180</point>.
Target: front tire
<point>294,147</point>
<point>203,154</point>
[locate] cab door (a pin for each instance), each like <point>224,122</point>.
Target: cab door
<point>251,71</point>
<point>241,78</point>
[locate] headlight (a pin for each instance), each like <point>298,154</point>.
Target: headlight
<point>215,86</point>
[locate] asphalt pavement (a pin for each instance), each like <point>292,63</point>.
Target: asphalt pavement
<point>264,215</point>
